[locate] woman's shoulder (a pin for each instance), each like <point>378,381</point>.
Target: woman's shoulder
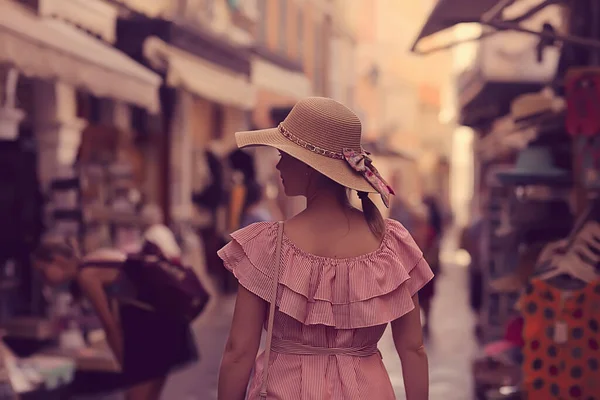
<point>256,231</point>
<point>396,232</point>
<point>396,236</point>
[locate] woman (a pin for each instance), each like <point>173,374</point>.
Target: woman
<point>147,346</point>
<point>344,274</point>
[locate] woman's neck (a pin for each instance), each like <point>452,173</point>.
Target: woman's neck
<point>325,200</point>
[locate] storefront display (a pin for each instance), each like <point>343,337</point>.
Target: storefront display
<point>539,157</point>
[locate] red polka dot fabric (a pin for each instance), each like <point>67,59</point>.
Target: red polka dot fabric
<point>561,332</point>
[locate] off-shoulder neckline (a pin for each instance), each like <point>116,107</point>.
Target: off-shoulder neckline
<point>359,257</point>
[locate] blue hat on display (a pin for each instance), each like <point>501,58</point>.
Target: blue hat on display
<point>535,166</point>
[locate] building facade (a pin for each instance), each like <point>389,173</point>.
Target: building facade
<point>398,94</point>
<point>292,59</point>
<point>342,56</point>
<point>202,50</point>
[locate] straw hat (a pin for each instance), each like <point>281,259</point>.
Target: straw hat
<point>325,135</point>
<point>534,104</point>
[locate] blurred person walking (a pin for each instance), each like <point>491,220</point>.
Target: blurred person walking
<point>431,250</point>
<point>255,208</point>
<point>471,241</point>
<point>326,282</point>
<point>147,345</point>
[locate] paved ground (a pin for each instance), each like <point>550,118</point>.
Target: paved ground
<point>450,347</point>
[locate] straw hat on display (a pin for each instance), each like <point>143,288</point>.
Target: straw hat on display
<point>532,105</point>
<point>325,135</point>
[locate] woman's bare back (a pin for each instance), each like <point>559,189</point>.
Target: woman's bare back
<point>333,235</point>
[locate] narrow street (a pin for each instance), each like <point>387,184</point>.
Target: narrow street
<point>451,345</point>
<point>450,348</point>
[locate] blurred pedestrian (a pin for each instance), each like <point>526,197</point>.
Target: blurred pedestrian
<point>255,208</point>
<point>431,251</point>
<point>327,281</point>
<point>471,241</point>
<point>148,346</point>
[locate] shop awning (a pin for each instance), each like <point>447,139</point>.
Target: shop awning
<point>150,8</point>
<point>199,76</point>
<point>280,80</point>
<point>448,13</point>
<point>50,49</point>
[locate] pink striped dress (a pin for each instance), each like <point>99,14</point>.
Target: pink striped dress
<point>331,312</point>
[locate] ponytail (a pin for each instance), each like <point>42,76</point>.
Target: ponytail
<point>372,215</point>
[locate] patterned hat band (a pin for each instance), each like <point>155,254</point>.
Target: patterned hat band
<point>317,150</point>
<point>359,161</point>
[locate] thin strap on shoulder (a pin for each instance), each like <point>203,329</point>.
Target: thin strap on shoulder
<point>263,388</point>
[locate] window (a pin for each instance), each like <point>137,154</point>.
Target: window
<point>300,33</point>
<point>262,21</point>
<point>283,23</point>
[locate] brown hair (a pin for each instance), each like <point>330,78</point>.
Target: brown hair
<point>372,215</point>
<point>49,248</point>
<point>371,212</point>
<point>46,251</point>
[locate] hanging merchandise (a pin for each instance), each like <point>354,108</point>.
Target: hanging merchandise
<point>561,356</point>
<point>537,221</point>
<point>587,159</point>
<point>535,165</point>
<point>583,101</point>
<point>561,310</point>
<point>505,227</point>
<point>578,257</point>
<point>583,122</point>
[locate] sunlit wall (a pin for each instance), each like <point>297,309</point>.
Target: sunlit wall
<point>462,169</point>
<point>461,175</point>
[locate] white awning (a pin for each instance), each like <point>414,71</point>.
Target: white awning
<point>448,13</point>
<point>199,76</point>
<point>150,8</point>
<point>51,49</point>
<point>279,80</point>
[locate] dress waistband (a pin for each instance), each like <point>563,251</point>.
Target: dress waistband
<point>289,347</point>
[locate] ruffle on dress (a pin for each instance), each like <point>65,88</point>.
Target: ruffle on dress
<point>349,293</point>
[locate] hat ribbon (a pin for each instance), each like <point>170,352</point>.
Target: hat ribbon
<point>362,163</point>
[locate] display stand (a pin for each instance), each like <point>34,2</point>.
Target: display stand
<point>499,257</point>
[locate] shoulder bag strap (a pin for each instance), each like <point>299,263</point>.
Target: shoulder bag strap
<point>263,387</point>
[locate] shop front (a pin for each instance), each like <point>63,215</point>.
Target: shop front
<point>207,95</point>
<point>50,71</point>
<point>528,94</point>
<point>207,92</point>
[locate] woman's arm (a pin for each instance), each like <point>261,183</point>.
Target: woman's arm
<point>242,345</point>
<point>408,339</point>
<point>92,287</point>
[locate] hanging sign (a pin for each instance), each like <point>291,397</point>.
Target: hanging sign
<point>583,122</point>
<point>583,102</point>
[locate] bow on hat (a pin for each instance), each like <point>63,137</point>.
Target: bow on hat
<point>362,163</point>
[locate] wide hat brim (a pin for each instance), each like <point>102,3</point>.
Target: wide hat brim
<point>551,176</point>
<point>336,169</point>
